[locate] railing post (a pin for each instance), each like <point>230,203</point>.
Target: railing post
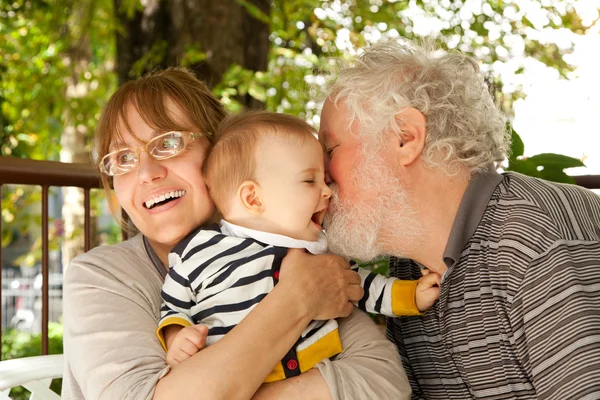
<point>87,221</point>
<point>1,218</point>
<point>45,274</point>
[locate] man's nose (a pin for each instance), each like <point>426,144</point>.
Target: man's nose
<point>149,169</point>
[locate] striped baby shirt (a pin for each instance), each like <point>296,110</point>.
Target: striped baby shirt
<point>216,279</point>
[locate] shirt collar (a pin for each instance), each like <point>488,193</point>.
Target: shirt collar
<point>469,214</point>
<point>160,267</point>
<point>316,247</point>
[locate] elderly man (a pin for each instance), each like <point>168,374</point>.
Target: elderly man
<point>414,140</point>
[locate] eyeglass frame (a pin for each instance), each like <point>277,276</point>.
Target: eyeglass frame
<point>138,150</point>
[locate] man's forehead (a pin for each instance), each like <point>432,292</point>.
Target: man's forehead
<point>325,135</point>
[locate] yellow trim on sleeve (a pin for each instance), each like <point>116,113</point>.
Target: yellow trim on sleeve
<point>276,375</point>
<point>403,298</point>
<point>167,322</point>
<point>326,347</point>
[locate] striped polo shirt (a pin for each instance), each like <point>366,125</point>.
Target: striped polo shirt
<point>519,310</point>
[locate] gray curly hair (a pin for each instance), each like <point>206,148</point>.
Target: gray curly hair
<point>464,127</point>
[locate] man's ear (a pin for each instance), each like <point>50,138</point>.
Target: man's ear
<point>249,195</point>
<point>411,142</point>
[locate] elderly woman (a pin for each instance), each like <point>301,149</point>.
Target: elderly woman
<point>151,142</point>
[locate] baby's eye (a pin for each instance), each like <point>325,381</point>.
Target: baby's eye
<point>309,181</point>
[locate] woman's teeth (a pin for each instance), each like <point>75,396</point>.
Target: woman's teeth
<point>165,196</point>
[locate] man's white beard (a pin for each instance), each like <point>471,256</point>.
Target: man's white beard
<point>382,226</point>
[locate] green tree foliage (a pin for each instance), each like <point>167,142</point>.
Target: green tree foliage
<point>45,88</point>
<point>39,45</point>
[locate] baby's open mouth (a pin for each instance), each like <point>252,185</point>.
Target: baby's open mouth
<point>318,217</point>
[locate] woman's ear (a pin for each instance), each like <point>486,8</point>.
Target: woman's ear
<point>411,142</point>
<point>249,195</point>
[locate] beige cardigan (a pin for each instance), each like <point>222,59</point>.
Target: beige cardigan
<point>111,310</point>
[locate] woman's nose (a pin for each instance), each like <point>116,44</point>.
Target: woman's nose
<point>149,169</point>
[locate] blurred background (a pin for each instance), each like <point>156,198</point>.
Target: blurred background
<point>61,60</point>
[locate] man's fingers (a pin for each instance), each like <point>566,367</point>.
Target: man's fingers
<point>355,293</point>
<point>347,310</point>
<point>352,277</point>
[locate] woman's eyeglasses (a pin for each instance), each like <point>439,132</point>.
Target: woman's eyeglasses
<point>162,147</point>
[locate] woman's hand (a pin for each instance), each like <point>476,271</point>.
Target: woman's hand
<point>323,284</point>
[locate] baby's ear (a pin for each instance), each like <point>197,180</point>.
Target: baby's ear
<point>249,195</point>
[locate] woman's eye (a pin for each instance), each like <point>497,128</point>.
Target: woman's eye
<point>170,143</point>
<point>125,158</point>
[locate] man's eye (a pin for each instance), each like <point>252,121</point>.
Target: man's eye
<point>330,150</point>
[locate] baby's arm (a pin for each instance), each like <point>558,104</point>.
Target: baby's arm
<point>175,312</point>
<point>394,297</point>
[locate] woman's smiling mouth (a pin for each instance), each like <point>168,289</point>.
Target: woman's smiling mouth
<point>163,198</point>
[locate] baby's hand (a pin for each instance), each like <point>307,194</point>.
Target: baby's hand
<point>428,291</point>
<point>187,342</point>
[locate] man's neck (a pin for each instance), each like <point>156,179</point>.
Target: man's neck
<point>436,198</point>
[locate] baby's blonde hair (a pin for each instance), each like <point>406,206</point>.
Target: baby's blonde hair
<point>233,158</point>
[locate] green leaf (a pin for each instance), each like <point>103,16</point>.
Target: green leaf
<point>517,147</point>
<point>556,175</point>
<point>524,167</point>
<point>254,11</point>
<point>555,161</point>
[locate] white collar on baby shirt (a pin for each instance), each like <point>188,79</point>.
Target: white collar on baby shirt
<point>317,247</point>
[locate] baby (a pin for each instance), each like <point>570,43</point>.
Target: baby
<point>266,176</point>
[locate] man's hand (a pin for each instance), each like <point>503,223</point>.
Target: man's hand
<point>324,284</point>
<point>428,291</point>
<point>185,343</point>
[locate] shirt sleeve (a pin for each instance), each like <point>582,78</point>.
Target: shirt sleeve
<point>368,368</point>
<point>391,297</point>
<point>178,300</point>
<point>557,322</point>
<point>111,348</point>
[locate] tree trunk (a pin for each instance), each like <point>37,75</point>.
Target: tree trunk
<point>223,30</point>
<point>73,138</point>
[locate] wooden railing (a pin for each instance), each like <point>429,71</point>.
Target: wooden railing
<point>52,173</point>
<point>45,174</point>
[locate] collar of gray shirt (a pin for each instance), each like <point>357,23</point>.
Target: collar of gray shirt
<point>469,214</point>
<point>160,267</point>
